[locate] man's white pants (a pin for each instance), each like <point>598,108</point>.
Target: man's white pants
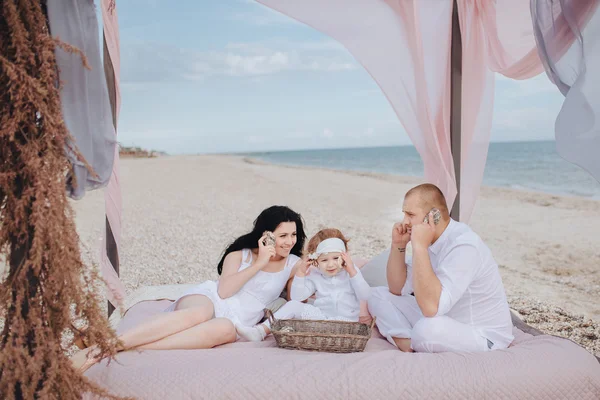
<point>400,317</point>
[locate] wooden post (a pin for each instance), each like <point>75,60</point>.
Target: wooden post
<point>111,244</point>
<point>456,104</point>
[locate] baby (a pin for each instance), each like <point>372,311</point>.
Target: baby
<point>329,273</point>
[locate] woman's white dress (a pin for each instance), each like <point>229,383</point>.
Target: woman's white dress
<point>246,307</point>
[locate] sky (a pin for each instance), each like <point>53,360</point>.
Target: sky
<point>206,76</point>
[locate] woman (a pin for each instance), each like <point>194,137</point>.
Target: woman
<point>252,275</point>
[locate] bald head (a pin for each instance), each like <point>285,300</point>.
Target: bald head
<point>426,197</point>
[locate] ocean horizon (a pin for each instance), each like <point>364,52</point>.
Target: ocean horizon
<point>532,166</point>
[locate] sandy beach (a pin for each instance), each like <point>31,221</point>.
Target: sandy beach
<point>179,212</point>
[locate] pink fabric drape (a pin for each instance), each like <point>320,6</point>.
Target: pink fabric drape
<point>405,46</point>
<point>112,193</point>
<point>496,37</point>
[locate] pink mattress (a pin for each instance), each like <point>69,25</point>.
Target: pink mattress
<point>534,367</point>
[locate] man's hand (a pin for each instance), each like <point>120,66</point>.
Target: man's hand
<point>401,235</point>
<point>422,235</point>
<point>396,272</point>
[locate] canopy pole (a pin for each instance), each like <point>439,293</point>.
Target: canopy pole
<point>111,244</point>
<point>456,104</point>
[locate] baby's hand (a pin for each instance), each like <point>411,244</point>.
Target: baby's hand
<point>348,265</point>
<point>303,267</point>
<point>364,317</point>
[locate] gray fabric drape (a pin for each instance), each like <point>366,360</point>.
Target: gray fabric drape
<point>84,94</point>
<point>575,70</point>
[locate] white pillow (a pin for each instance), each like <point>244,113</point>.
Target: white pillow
<point>276,304</point>
<point>374,271</point>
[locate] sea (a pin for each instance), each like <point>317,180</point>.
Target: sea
<point>531,166</point>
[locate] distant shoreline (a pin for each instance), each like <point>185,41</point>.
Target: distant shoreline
<point>411,179</point>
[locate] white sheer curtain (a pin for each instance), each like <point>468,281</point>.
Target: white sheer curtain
<point>405,46</point>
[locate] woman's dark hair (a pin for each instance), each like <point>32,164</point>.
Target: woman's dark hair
<point>268,220</point>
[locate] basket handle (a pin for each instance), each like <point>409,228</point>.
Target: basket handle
<point>373,323</point>
<point>270,316</point>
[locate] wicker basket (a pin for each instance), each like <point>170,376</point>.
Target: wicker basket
<point>330,336</point>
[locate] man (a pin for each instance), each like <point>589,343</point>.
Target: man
<point>459,302</point>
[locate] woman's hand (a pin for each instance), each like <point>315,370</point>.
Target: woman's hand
<point>303,267</point>
<point>348,265</point>
<point>265,253</point>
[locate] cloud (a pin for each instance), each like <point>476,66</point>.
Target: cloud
<point>255,139</point>
<point>368,92</point>
<point>328,133</point>
<point>240,65</point>
<point>324,55</point>
<point>317,47</point>
<point>524,118</point>
<point>262,16</point>
<point>513,89</point>
<point>262,19</point>
<point>138,134</point>
<point>156,62</point>
<point>525,110</point>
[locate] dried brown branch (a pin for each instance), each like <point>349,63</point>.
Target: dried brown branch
<point>47,287</point>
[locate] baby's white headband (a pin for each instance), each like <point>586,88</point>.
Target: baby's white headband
<point>331,245</point>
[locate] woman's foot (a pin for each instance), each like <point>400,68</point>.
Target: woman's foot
<point>251,333</point>
<point>80,339</point>
<point>84,359</point>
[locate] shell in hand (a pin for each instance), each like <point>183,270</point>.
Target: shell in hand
<point>270,238</point>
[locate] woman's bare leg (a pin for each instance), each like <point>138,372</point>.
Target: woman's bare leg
<point>205,335</point>
<point>191,311</point>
